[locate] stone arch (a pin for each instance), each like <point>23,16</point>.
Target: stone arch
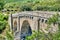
<point>31,22</point>
<point>15,25</point>
<point>25,29</point>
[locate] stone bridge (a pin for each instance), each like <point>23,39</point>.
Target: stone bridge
<point>23,23</point>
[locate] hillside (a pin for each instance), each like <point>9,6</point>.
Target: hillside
<point>8,1</point>
<point>28,5</point>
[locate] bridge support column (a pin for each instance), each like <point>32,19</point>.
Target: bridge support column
<point>11,22</point>
<point>18,23</point>
<point>38,28</point>
<point>37,22</point>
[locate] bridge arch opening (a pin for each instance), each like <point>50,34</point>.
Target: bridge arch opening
<point>15,26</point>
<point>25,29</point>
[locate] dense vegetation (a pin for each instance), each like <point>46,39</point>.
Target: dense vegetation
<point>47,5</point>
<point>3,21</point>
<point>31,5</point>
<point>8,36</point>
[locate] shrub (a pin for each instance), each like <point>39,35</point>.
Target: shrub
<point>26,7</point>
<point>35,5</point>
<point>9,36</point>
<point>1,5</point>
<point>3,22</point>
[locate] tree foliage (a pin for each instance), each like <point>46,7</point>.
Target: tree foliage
<point>47,5</point>
<point>3,21</point>
<point>53,19</point>
<point>1,4</point>
<point>9,35</point>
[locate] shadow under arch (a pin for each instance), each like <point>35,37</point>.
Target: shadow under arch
<point>25,29</point>
<point>15,26</point>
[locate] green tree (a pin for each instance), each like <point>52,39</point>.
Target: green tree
<point>3,22</point>
<point>2,3</point>
<point>8,36</point>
